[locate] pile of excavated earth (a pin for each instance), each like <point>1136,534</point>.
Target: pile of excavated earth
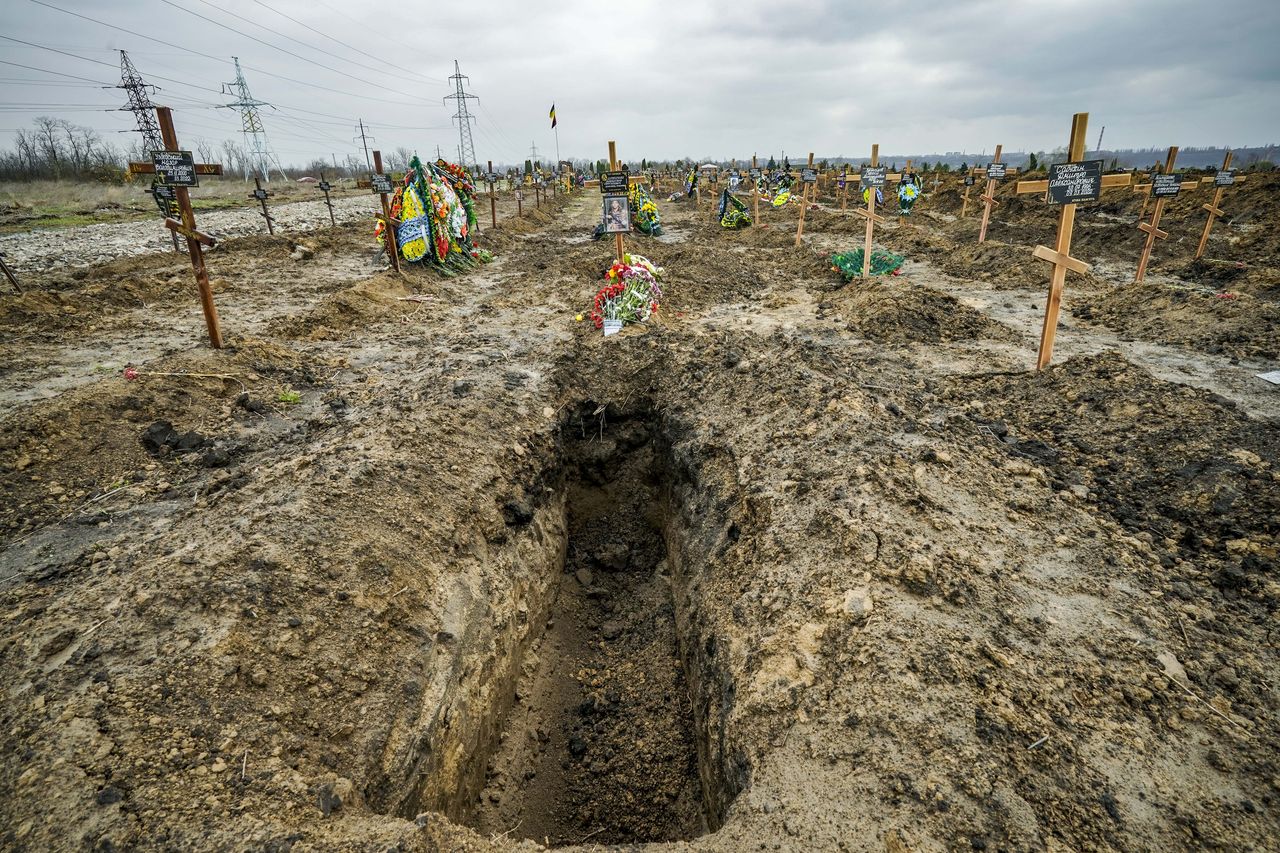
<point>425,563</point>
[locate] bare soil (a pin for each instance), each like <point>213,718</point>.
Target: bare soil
<point>424,563</point>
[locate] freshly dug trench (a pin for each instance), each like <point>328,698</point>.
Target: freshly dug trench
<point>600,743</point>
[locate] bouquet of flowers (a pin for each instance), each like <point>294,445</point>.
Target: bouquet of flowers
<point>907,194</point>
<point>631,293</point>
<point>733,213</point>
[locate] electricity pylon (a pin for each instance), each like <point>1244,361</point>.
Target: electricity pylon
<point>466,148</point>
<point>259,155</point>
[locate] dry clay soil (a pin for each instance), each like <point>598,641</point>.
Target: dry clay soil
<point>424,563</point>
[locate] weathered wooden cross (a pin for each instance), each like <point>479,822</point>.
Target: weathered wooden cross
<point>1221,181</point>
<point>262,195</point>
<point>181,172</point>
<point>324,188</point>
<point>1162,191</point>
<point>382,186</point>
<point>805,175</point>
<point>872,179</point>
<point>988,198</point>
<point>968,185</point>
<point>1075,183</point>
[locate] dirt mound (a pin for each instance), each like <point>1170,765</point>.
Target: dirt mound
<point>1234,324</point>
<point>893,310</point>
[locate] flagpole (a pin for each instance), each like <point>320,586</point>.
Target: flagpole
<point>557,130</point>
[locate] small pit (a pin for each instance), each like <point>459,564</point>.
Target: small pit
<point>600,742</point>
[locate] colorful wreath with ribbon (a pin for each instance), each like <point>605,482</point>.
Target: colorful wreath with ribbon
<point>908,192</point>
<point>631,293</point>
<point>733,213</point>
<point>436,212</point>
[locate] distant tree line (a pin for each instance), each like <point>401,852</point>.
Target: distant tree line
<point>55,148</point>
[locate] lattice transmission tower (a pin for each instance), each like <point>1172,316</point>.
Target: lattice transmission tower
<point>466,148</point>
<point>260,159</point>
<point>144,114</point>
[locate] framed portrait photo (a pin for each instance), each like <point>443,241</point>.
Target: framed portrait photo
<point>617,215</point>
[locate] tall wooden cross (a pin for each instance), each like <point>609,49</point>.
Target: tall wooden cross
<point>196,241</point>
<point>1060,255</point>
<point>989,198</point>
<point>613,167</point>
<point>381,185</point>
<point>1214,208</point>
<point>262,195</point>
<point>870,212</point>
<point>1152,228</point>
<point>804,198</point>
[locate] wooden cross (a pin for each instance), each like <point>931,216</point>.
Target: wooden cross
<point>493,201</point>
<point>964,208</point>
<point>187,227</point>
<point>324,188</point>
<point>1214,209</point>
<point>261,195</point>
<point>613,167</point>
<point>755,194</point>
<point>870,214</point>
<point>1152,229</point>
<point>844,187</point>
<point>804,202</point>
<point>389,229</point>
<point>989,199</point>
<point>1060,255</point>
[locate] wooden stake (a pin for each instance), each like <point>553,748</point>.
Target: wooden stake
<point>261,195</point>
<point>1153,229</point>
<point>1060,255</point>
<point>389,231</point>
<point>493,202</point>
<point>195,240</point>
<point>1215,210</point>
<point>9,274</point>
<point>804,202</point>
<point>324,188</point>
<point>755,195</point>
<point>989,199</point>
<point>613,167</point>
<point>964,208</point>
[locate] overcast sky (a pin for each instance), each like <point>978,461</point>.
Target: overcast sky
<point>667,78</point>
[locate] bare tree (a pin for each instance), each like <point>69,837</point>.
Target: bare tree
<point>205,150</point>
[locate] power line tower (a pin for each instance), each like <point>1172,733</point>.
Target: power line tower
<point>533,154</point>
<point>260,157</point>
<point>364,141</point>
<point>144,112</point>
<point>466,148</point>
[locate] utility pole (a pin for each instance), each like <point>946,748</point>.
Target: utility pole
<point>1098,148</point>
<point>466,148</point>
<point>262,158</point>
<point>364,141</point>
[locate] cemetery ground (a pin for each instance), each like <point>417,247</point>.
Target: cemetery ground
<point>424,563</point>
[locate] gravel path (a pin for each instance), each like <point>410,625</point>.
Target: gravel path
<point>43,249</point>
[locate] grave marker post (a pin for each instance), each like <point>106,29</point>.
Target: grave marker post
<point>187,228</point>
<point>613,167</point>
<point>324,188</point>
<point>755,192</point>
<point>1161,191</point>
<point>261,195</point>
<point>9,274</point>
<point>381,185</point>
<point>872,178</point>
<point>493,202</point>
<point>989,200</point>
<point>808,177</point>
<point>968,185</point>
<point>1214,207</point>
